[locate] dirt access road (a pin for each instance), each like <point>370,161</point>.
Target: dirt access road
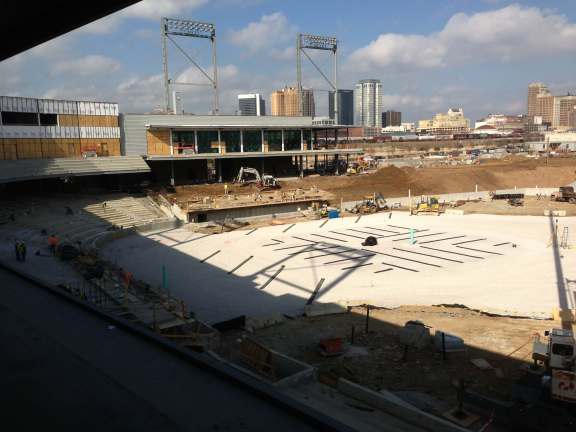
<point>394,182</point>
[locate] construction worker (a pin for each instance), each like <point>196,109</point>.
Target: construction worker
<point>17,250</point>
<point>22,251</point>
<point>53,243</point>
<point>225,188</point>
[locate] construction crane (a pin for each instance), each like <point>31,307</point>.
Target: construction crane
<point>247,175</point>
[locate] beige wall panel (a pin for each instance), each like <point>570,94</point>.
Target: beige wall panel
<point>158,142</point>
<point>67,120</point>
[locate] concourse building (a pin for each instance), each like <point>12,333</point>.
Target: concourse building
<point>193,148</point>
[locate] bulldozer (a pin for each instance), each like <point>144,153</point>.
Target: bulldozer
<point>247,175</point>
<point>428,205</point>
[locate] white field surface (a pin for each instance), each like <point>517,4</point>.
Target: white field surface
<point>520,281</point>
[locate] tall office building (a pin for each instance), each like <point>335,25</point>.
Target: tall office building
<point>391,118</point>
<point>572,119</point>
<point>563,107</point>
<point>251,105</point>
<point>534,91</point>
<point>345,107</point>
<point>368,103</point>
<point>284,102</point>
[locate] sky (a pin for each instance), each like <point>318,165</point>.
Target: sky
<point>429,54</point>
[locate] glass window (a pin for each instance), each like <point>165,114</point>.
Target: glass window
<point>207,141</point>
<point>562,350</point>
<point>230,139</point>
<point>273,140</point>
<point>183,142</point>
<point>292,139</point>
<point>307,139</point>
<point>252,140</point>
<point>19,118</point>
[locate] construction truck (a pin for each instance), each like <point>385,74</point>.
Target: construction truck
<point>247,175</point>
<point>370,204</point>
<point>564,194</point>
<point>428,205</point>
<point>557,355</point>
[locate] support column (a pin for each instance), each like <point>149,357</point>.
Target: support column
<point>262,140</point>
<point>315,163</point>
<point>301,140</point>
<point>195,141</point>
<point>172,181</point>
<point>171,143</point>
<point>282,139</point>
<point>241,141</point>
<point>336,163</point>
<point>219,143</point>
<point>219,168</point>
<point>301,166</point>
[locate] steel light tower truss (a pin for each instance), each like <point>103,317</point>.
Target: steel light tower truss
<point>177,27</point>
<point>323,43</point>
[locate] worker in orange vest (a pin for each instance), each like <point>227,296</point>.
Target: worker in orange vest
<point>53,243</point>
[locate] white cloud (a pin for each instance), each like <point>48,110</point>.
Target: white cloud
<point>146,9</point>
<point>508,34</point>
<point>267,34</point>
<point>87,65</point>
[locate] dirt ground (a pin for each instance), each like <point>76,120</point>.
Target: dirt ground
<point>532,206</point>
<point>393,182</point>
<point>375,359</point>
<point>489,175</point>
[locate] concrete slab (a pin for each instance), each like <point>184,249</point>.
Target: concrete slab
<point>509,267</point>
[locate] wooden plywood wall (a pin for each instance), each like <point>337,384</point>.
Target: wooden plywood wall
<point>43,148</point>
<point>102,146</point>
<point>158,141</point>
<point>87,120</point>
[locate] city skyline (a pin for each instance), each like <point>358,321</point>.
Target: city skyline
<point>414,49</point>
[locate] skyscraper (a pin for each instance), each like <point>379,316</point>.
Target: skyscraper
<point>251,105</point>
<point>537,91</point>
<point>391,118</point>
<point>368,103</point>
<point>284,102</point>
<point>563,107</point>
<point>345,106</point>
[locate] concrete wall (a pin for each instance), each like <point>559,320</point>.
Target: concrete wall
<point>405,147</point>
<point>255,212</point>
<point>391,404</point>
<point>464,196</point>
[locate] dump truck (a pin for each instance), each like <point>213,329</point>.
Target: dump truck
<point>557,355</point>
<point>564,194</point>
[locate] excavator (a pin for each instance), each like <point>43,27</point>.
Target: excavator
<point>248,175</point>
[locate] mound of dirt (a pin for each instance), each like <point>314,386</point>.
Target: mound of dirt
<point>392,181</point>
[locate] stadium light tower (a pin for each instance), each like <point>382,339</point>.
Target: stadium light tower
<point>323,43</point>
<point>177,27</point>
